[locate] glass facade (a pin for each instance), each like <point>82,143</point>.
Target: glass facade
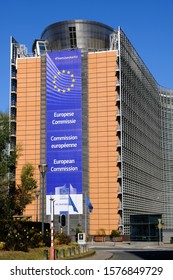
<point>86,35</point>
<point>145,228</point>
<point>167,144</point>
<point>141,154</point>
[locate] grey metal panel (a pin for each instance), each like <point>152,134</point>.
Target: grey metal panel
<point>142,166</point>
<point>89,35</point>
<point>167,144</point>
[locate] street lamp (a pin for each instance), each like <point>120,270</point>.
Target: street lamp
<point>37,193</point>
<point>43,168</point>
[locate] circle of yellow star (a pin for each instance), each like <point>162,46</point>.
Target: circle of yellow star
<point>69,87</point>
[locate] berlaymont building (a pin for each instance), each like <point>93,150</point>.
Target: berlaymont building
<point>85,108</point>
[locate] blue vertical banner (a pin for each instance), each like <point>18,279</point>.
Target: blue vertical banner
<point>64,131</point>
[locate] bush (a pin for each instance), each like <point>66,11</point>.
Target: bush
<point>20,236</point>
<point>102,232</point>
<point>2,245</point>
<point>114,233</point>
<point>77,230</point>
<point>36,239</point>
<point>62,238</point>
<point>17,238</point>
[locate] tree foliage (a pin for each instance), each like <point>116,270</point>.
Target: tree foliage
<point>13,200</point>
<point>4,143</point>
<point>4,165</point>
<point>25,191</point>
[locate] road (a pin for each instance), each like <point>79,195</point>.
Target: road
<point>141,254</point>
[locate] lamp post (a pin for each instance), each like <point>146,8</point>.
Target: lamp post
<point>37,193</point>
<point>43,168</point>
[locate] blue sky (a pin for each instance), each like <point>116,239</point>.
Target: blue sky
<point>148,25</point>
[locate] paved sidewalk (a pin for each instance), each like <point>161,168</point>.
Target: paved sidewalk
<point>130,245</point>
<point>99,255</point>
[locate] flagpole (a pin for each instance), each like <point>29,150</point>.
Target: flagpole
<point>88,206</point>
<point>85,216</point>
<point>52,253</point>
<point>68,217</point>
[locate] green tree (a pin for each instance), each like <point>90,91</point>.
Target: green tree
<point>4,144</point>
<point>13,200</point>
<point>24,193</point>
<point>5,160</point>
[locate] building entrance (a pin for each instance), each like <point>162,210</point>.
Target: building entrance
<point>145,228</point>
